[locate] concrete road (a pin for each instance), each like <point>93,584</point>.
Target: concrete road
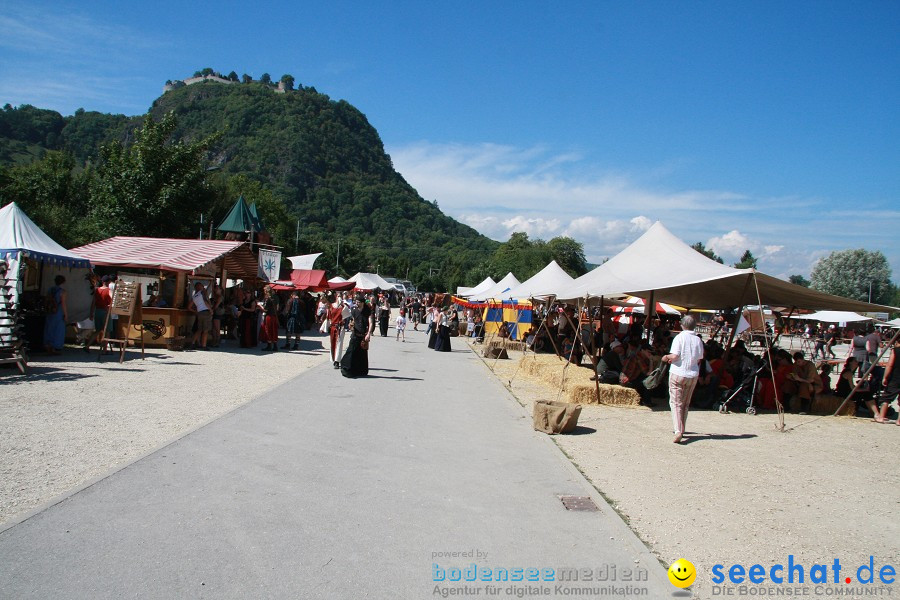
<point>391,486</point>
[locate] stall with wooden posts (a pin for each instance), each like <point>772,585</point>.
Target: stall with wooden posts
<point>175,264</point>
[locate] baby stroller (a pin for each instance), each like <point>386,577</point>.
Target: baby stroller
<point>741,397</point>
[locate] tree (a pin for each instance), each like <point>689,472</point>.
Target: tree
<point>207,71</point>
<point>288,81</point>
<point>748,261</point>
<point>569,254</point>
<point>699,247</point>
<point>246,78</point>
<point>232,76</point>
<point>266,79</point>
<point>155,187</point>
<point>855,274</point>
<point>799,280</point>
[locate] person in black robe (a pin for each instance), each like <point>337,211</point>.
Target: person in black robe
<point>355,362</point>
<point>443,333</point>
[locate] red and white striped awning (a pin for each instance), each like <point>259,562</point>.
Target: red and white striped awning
<point>637,306</point>
<point>170,254</point>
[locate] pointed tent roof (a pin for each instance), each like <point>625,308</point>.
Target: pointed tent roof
<point>239,219</point>
<point>543,283</point>
<point>661,263</point>
<point>498,290</point>
<point>485,285</point>
<point>257,221</point>
<point>18,233</point>
<point>337,279</point>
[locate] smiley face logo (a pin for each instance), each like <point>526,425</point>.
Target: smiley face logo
<point>682,573</point>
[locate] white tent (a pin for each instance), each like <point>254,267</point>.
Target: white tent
<point>541,284</point>
<point>893,323</point>
<point>834,316</point>
<point>304,261</point>
<point>485,285</point>
<point>661,264</point>
<point>22,240</point>
<point>370,281</point>
<point>498,290</point>
<point>337,279</point>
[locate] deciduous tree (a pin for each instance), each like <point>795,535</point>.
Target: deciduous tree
<point>855,274</point>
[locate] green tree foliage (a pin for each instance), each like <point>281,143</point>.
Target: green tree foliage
<point>299,155</point>
<point>799,280</point>
<point>288,81</point>
<point>524,257</point>
<point>154,187</point>
<point>569,254</point>
<point>748,261</point>
<point>246,78</point>
<point>233,76</point>
<point>54,194</point>
<point>699,247</point>
<point>265,79</point>
<point>852,273</point>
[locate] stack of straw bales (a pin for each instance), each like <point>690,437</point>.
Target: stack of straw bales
<point>578,387</point>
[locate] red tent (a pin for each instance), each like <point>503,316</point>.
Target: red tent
<point>314,280</point>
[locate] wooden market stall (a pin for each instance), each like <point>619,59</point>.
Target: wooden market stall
<point>176,265</point>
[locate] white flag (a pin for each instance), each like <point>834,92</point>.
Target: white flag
<point>269,264</point>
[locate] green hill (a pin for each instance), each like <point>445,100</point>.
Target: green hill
<point>301,155</point>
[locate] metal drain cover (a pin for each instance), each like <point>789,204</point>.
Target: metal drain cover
<point>579,503</point>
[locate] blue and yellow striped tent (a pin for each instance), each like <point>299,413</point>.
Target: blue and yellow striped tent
<point>517,315</point>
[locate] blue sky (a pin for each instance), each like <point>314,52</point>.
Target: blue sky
<point>768,126</point>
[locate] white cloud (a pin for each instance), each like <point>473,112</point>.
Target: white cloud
<point>534,227</point>
<point>499,189</point>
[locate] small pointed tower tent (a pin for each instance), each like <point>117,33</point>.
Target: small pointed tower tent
<point>257,221</point>
<point>239,219</point>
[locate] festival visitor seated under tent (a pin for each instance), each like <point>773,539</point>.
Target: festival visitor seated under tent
<point>610,365</point>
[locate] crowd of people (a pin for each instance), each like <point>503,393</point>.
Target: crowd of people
<point>627,351</point>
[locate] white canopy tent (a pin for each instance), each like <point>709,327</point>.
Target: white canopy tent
<point>498,290</point>
<point>895,323</point>
<point>834,316</point>
<point>660,264</point>
<point>370,281</point>
<point>485,285</point>
<point>337,279</point>
<point>541,284</point>
<point>22,240</point>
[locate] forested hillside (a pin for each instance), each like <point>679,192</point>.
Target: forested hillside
<point>313,165</point>
<point>300,155</point>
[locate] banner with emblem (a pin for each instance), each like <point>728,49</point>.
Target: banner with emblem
<point>269,264</point>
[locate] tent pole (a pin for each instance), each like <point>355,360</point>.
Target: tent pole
<point>549,333</point>
<point>595,355</point>
<point>649,311</point>
<point>866,374</point>
<point>739,312</point>
<point>778,405</point>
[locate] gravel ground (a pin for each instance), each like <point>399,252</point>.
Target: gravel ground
<point>74,418</point>
<point>739,491</point>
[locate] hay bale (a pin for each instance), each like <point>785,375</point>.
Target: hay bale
<point>615,395</point>
<point>577,386</point>
<point>826,404</point>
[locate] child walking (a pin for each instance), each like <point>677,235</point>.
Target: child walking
<point>401,325</point>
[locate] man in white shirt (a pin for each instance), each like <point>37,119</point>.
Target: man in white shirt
<point>200,305</point>
<point>684,356</point>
